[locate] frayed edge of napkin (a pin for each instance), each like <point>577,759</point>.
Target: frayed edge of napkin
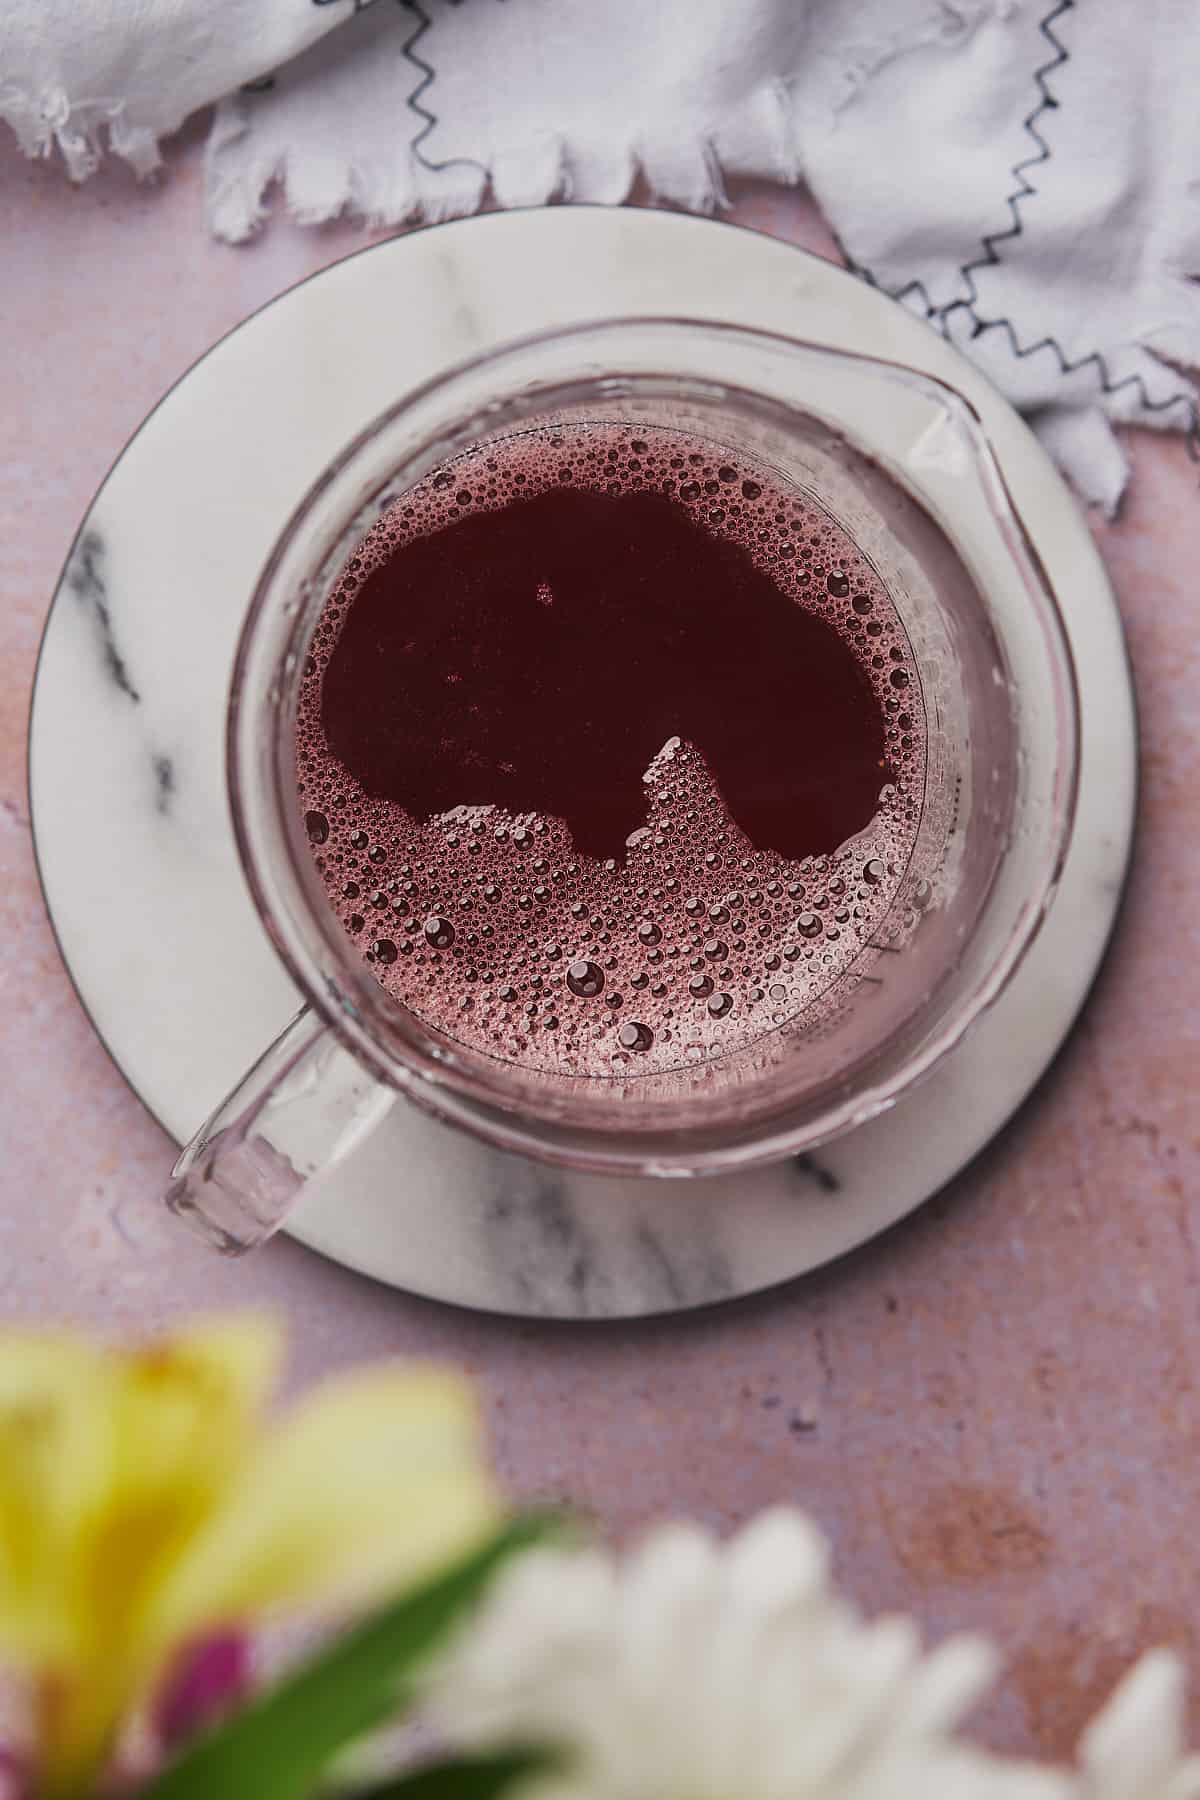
<point>81,133</point>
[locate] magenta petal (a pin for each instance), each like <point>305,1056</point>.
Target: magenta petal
<point>205,1683</point>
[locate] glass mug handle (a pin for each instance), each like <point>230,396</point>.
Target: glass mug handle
<point>304,1105</point>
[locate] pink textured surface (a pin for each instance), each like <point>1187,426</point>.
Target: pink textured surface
<point>993,1410</point>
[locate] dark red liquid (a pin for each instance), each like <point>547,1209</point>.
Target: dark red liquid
<point>610,749</point>
<point>546,651</point>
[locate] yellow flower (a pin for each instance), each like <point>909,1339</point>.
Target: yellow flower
<point>141,1505</point>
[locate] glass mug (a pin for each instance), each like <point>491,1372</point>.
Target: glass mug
<point>901,461</point>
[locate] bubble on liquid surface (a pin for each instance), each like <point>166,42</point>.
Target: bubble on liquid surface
<point>585,979</point>
<point>635,1037</point>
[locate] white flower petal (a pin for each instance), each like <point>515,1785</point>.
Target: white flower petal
<point>1184,1783</point>
<point>1132,1746</point>
<point>850,1697</point>
<point>666,1590</point>
<point>692,1670</point>
<point>780,1559</point>
<point>949,1682</point>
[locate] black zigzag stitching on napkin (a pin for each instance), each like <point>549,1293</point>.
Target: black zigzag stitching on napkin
<point>915,286</point>
<point>1025,190</point>
<point>416,101</point>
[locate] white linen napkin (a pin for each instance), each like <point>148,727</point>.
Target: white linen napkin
<point>1024,173</point>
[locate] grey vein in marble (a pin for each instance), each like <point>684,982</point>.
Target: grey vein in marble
<point>687,1269</point>
<point>807,1165</point>
<point>535,1244</point>
<point>86,579</point>
<point>556,1252</point>
<point>164,782</point>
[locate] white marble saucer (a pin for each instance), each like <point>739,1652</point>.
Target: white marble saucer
<point>127,779</point>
